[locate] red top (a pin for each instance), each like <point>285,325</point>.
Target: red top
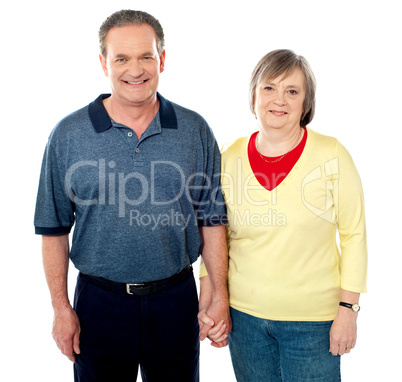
<point>270,175</point>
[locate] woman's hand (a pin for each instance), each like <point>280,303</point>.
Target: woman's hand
<point>343,332</point>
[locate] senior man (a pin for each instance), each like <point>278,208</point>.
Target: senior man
<point>138,178</point>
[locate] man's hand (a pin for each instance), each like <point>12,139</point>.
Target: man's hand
<point>214,308</point>
<point>66,325</point>
<point>214,287</point>
<point>66,332</point>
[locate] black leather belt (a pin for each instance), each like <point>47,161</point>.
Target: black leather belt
<point>142,289</point>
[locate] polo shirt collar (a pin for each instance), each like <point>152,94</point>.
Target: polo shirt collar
<point>101,121</point>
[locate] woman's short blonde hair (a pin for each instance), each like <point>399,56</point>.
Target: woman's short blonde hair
<point>284,62</point>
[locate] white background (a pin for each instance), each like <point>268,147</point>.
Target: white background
<point>49,68</point>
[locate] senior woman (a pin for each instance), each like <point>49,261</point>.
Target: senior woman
<point>293,293</point>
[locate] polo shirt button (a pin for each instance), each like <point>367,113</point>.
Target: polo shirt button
<point>130,134</point>
<point>137,150</point>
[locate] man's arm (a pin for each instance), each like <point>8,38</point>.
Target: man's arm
<point>219,333</point>
<point>214,300</point>
<point>66,326</point>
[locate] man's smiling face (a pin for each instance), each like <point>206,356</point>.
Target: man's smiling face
<point>133,64</point>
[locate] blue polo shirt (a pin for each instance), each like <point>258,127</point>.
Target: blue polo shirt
<point>136,204</point>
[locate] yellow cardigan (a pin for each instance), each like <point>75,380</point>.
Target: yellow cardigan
<point>284,261</point>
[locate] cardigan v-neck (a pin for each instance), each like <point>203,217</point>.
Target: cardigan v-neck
<point>269,173</point>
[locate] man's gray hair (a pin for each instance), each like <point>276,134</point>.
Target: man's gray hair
<point>129,17</point>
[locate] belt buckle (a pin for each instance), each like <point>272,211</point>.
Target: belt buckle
<point>139,286</point>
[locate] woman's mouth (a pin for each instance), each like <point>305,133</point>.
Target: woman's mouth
<point>278,113</point>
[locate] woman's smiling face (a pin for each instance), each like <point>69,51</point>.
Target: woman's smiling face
<point>279,102</point>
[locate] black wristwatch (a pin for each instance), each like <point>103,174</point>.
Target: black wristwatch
<point>354,307</point>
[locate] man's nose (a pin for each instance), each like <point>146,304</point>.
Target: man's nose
<point>136,69</point>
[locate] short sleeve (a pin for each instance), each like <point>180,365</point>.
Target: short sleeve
<point>54,212</point>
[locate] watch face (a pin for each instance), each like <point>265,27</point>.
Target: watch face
<point>355,307</point>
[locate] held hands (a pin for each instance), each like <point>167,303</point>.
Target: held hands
<point>66,332</point>
<point>217,333</point>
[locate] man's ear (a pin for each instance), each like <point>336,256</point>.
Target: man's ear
<point>104,65</point>
<point>162,61</point>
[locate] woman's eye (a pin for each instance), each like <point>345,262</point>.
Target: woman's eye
<point>293,92</point>
<point>269,88</point>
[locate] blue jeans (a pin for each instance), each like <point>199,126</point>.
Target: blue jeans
<point>120,333</point>
<point>281,351</point>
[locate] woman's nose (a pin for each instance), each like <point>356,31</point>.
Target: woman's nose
<point>280,99</point>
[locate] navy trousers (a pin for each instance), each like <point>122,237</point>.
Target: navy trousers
<point>120,333</point>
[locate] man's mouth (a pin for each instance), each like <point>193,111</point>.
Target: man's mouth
<point>135,82</point>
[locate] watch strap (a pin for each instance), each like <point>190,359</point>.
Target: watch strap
<point>355,307</point>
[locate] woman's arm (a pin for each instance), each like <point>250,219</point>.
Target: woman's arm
<point>343,332</point>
